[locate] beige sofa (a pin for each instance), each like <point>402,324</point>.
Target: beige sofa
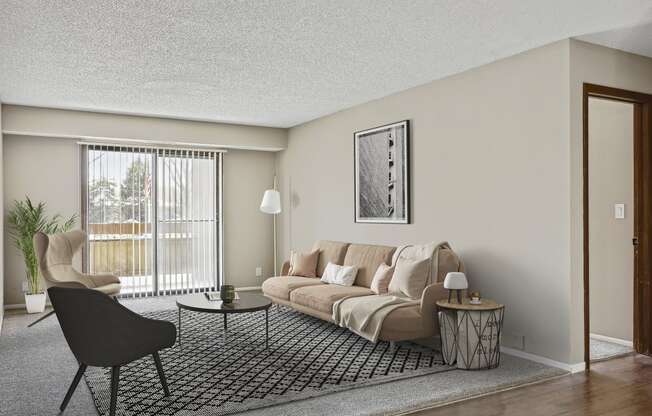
<point>309,295</point>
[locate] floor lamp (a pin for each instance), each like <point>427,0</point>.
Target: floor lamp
<point>271,204</point>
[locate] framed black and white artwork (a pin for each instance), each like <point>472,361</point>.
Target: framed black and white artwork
<point>382,180</point>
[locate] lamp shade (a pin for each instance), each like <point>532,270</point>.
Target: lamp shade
<point>271,203</point>
<point>456,280</point>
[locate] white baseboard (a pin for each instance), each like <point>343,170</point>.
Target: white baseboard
<point>14,306</point>
<point>22,306</point>
<point>572,368</point>
<point>247,288</point>
<point>612,340</point>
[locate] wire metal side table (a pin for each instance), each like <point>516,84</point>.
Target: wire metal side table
<point>470,334</point>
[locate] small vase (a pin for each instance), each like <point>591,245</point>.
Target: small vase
<point>35,303</point>
<point>227,293</point>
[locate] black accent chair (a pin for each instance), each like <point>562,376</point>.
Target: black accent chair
<point>103,333</point>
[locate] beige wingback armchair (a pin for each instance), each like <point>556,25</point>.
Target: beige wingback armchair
<point>54,254</point>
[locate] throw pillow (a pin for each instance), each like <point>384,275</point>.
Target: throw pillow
<point>380,282</point>
<point>410,277</point>
<point>339,275</point>
<point>303,264</point>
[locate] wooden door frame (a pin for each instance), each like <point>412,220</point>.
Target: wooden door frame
<point>642,132</point>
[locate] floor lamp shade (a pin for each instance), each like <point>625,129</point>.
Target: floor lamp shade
<point>271,203</point>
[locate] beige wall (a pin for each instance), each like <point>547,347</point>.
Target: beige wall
<point>604,66</point>
<point>49,122</point>
<point>47,169</point>
<point>611,181</point>
<point>248,233</point>
<point>490,174</point>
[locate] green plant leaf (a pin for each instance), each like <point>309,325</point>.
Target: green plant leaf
<point>26,219</point>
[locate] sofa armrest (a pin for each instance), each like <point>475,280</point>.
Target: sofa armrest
<point>285,269</point>
<point>431,294</point>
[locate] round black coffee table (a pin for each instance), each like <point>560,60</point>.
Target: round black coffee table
<point>248,302</point>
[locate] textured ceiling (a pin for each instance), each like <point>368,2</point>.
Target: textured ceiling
<point>637,39</point>
<point>276,63</point>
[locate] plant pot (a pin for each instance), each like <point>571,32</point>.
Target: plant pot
<point>35,303</point>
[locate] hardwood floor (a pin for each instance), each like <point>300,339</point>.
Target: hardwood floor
<point>621,386</point>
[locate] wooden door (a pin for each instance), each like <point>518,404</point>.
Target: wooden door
<point>642,239</point>
<point>642,236</point>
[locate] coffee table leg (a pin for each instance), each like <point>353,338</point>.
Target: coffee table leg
<point>224,326</point>
<point>266,328</point>
<point>179,326</point>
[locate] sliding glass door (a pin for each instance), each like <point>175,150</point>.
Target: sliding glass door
<point>187,243</point>
<point>152,217</point>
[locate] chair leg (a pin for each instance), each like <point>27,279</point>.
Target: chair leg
<point>161,374</point>
<point>115,381</point>
<point>73,386</point>
<point>40,319</point>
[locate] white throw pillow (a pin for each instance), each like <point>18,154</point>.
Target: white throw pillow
<point>339,275</point>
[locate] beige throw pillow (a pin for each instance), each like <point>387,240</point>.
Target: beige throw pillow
<point>410,277</point>
<point>303,264</point>
<point>382,277</point>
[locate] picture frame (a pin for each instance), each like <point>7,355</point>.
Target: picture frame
<point>382,174</point>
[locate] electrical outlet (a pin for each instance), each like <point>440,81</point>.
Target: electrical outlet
<point>25,287</point>
<point>259,271</point>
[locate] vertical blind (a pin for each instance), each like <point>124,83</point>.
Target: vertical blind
<point>152,217</point>
<point>187,220</point>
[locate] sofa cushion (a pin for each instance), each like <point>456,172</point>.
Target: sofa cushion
<point>367,258</point>
<point>303,264</point>
<point>323,297</point>
<point>329,252</point>
<point>339,275</point>
<point>280,287</point>
<point>410,277</point>
<point>444,259</point>
<point>382,277</point>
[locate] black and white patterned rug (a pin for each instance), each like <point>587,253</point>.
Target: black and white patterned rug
<point>307,357</point>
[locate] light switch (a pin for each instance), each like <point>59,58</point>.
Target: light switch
<point>619,211</point>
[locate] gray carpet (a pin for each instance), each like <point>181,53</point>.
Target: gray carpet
<point>307,357</point>
<point>36,368</point>
<point>604,350</point>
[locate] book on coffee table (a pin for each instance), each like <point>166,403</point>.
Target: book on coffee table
<point>215,296</point>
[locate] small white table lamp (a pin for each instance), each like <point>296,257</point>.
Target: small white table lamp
<point>271,204</point>
<point>456,281</point>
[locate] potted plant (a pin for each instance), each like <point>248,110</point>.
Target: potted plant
<point>24,221</point>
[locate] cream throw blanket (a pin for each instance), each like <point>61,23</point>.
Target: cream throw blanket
<point>364,315</point>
